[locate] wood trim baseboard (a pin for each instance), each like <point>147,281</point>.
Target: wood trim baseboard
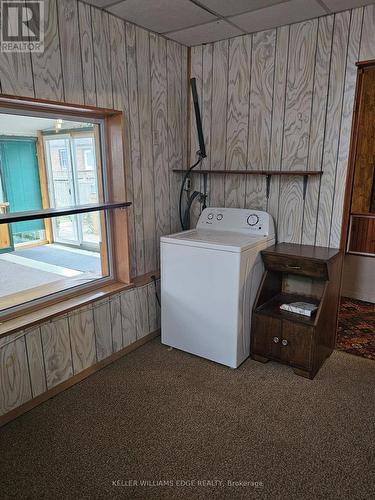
<point>13,414</point>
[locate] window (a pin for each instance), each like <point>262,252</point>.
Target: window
<point>89,160</point>
<point>63,159</point>
<point>56,226</point>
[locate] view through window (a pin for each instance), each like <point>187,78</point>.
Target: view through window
<point>50,163</point>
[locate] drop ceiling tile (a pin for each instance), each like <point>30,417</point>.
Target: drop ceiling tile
<point>210,32</point>
<point>278,15</point>
<point>337,5</point>
<point>101,3</point>
<point>162,15</point>
<point>233,7</point>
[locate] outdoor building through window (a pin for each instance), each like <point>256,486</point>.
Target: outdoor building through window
<point>50,163</point>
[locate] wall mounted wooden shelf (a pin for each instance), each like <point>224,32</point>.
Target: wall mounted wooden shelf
<point>267,173</point>
<point>59,212</point>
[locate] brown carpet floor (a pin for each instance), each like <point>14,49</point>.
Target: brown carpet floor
<point>163,415</point>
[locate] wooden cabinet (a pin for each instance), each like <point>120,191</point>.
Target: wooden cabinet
<point>265,342</point>
<point>299,341</point>
<point>296,344</point>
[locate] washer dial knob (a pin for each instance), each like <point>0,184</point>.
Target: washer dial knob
<point>219,216</point>
<point>253,220</point>
<point>210,216</point>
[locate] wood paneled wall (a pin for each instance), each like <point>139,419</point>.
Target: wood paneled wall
<point>96,59</point>
<point>36,360</point>
<point>283,99</point>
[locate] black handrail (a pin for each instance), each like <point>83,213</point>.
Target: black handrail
<point>48,213</point>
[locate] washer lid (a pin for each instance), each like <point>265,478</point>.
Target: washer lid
<point>229,241</point>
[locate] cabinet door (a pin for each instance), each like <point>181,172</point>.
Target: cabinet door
<point>266,336</point>
<point>296,344</point>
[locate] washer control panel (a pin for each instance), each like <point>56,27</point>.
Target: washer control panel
<point>237,219</point>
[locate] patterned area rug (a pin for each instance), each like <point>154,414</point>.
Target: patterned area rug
<point>356,331</point>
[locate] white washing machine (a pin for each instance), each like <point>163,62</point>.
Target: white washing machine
<point>209,279</point>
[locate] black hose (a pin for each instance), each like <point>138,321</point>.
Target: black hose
<point>182,190</point>
<point>194,195</point>
<point>156,289</point>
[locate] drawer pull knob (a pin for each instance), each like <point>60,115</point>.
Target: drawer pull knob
<point>284,342</point>
<point>276,340</point>
<point>293,267</point>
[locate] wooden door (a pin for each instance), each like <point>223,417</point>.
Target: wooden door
<point>362,234</point>
<point>296,345</point>
<point>364,172</point>
<point>266,336</point>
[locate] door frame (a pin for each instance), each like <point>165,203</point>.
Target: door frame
<point>70,135</point>
<point>51,187</point>
<point>345,224</point>
<point>10,248</point>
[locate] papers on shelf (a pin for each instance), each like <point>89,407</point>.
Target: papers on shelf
<point>304,308</point>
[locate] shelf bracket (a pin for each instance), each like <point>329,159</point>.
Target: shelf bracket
<point>268,185</point>
<point>305,180</point>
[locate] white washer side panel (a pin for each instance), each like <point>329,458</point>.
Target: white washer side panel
<point>200,301</point>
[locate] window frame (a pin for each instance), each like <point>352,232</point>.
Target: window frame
<point>69,136</point>
<point>112,149</point>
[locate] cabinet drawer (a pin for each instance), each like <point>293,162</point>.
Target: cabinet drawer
<point>266,336</point>
<point>297,344</point>
<point>295,265</point>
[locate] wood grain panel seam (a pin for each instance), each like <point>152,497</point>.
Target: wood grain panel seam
<point>249,110</point>
<point>80,51</point>
<point>325,129</point>
<point>211,99</point>
<point>60,51</point>
<point>272,106</point>
<point>110,59</point>
<point>32,73</point>
<point>282,138</point>
<point>70,345</point>
<point>93,53</point>
<point>340,131</point>
<point>28,366</point>
<point>140,148</point>
<point>153,236</point>
<point>168,148</point>
<point>130,139</point>
<point>43,356</point>
<point>311,123</point>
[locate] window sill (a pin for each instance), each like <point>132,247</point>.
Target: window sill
<point>28,319</point>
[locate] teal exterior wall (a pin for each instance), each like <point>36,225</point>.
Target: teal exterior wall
<point>20,177</point>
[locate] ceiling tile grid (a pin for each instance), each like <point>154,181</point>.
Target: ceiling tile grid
<point>194,22</point>
<point>214,31</point>
<point>162,15</point>
<point>227,8</point>
<point>277,15</point>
